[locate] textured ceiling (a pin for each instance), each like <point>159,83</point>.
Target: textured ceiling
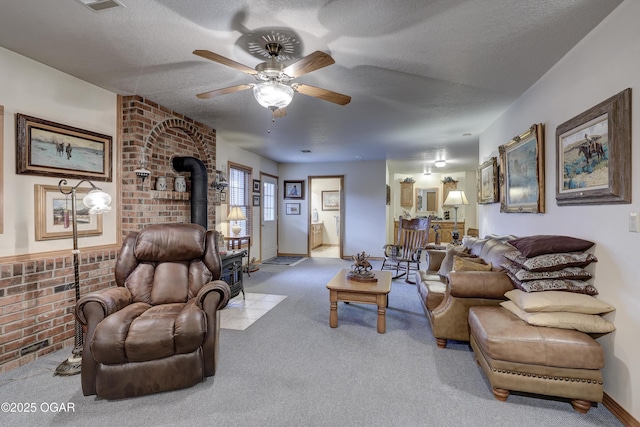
<point>426,77</point>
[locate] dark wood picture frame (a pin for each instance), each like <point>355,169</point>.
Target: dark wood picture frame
<point>294,189</point>
<point>256,200</point>
<point>256,185</point>
<point>488,188</point>
<point>593,163</point>
<point>522,172</point>
<point>57,150</point>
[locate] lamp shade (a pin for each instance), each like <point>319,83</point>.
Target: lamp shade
<point>236,214</point>
<point>456,198</point>
<point>97,201</point>
<point>273,95</point>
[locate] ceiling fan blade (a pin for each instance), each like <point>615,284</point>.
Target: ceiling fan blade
<point>327,95</point>
<point>280,112</point>
<point>309,63</point>
<point>226,90</point>
<point>224,61</point>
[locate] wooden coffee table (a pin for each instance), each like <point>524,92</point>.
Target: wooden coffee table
<point>343,289</point>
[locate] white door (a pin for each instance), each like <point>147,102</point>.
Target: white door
<point>269,218</point>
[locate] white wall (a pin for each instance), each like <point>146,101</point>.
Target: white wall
<point>604,63</point>
<point>33,89</point>
<point>229,153</point>
<point>364,206</point>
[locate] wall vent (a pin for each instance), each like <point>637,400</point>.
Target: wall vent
<point>34,347</point>
<point>100,5</point>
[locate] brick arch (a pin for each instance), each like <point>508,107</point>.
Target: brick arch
<point>174,123</point>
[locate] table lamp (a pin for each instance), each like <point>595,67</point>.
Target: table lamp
<point>456,198</point>
<point>236,215</point>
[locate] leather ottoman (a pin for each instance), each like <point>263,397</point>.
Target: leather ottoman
<point>516,356</point>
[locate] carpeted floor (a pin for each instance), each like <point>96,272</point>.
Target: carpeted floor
<point>291,369</point>
<point>285,260</point>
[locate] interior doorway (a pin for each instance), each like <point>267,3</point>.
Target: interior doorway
<point>326,216</point>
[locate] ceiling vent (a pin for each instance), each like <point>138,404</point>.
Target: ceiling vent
<point>100,5</point>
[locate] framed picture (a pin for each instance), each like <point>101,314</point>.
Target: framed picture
<point>52,149</point>
<point>256,200</point>
<point>522,172</point>
<point>293,209</point>
<point>594,154</point>
<point>256,185</point>
<point>294,189</point>
<point>488,182</point>
<point>388,194</point>
<point>216,197</point>
<point>331,200</point>
<point>223,197</point>
<point>53,214</point>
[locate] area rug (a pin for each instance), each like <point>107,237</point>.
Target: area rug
<point>285,260</point>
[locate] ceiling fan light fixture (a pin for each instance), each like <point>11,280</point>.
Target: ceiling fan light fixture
<point>273,95</point>
<point>440,163</point>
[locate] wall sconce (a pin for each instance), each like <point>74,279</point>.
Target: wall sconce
<point>98,202</point>
<point>220,182</point>
<point>142,172</point>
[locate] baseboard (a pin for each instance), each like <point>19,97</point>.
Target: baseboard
<point>619,412</point>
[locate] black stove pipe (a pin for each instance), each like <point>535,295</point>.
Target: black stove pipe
<point>198,186</point>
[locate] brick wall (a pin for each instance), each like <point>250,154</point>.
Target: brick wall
<point>153,134</point>
<point>37,297</point>
<point>37,294</point>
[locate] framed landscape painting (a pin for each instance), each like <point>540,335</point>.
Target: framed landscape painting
<point>522,172</point>
<point>594,154</point>
<point>53,149</point>
<point>488,182</point>
<point>331,200</point>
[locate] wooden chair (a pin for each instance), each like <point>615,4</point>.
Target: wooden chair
<point>413,236</point>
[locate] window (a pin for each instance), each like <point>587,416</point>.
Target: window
<point>239,193</point>
<point>269,201</point>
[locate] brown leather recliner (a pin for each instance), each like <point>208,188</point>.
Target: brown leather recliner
<point>158,329</point>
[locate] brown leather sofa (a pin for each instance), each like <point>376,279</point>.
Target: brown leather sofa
<point>446,299</point>
<point>158,329</point>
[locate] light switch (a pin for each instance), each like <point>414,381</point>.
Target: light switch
<point>634,222</point>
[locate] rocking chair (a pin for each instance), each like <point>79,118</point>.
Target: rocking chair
<point>413,235</point>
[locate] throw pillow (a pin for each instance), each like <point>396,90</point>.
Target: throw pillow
<point>531,246</point>
<point>551,301</point>
<point>578,286</point>
<point>575,273</point>
<point>589,323</point>
<point>470,264</point>
<point>447,263</point>
<point>551,262</point>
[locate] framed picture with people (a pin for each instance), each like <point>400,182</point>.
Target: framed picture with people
<point>294,189</point>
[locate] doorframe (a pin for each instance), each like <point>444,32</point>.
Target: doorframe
<point>276,178</point>
<point>341,210</point>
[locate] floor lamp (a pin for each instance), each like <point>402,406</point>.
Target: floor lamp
<point>98,202</point>
<point>456,198</point>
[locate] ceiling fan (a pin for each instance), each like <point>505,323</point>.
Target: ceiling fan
<point>274,89</point>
